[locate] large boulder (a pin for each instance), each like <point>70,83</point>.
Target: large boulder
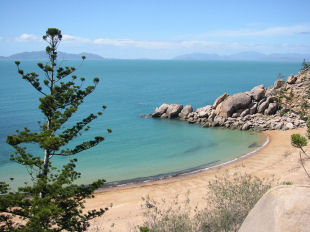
<point>233,103</point>
<point>258,92</point>
<point>185,111</point>
<point>253,108</point>
<point>261,108</point>
<point>270,99</point>
<point>219,100</point>
<point>245,113</point>
<point>282,208</point>
<point>272,108</point>
<point>291,79</point>
<point>160,110</point>
<point>174,110</point>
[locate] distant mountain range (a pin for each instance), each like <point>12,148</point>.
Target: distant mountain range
<point>242,56</point>
<point>245,56</point>
<point>41,55</point>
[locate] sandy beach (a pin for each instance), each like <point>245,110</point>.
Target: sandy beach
<point>278,160</point>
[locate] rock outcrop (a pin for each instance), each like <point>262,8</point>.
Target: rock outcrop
<point>292,79</point>
<point>174,110</point>
<point>185,111</point>
<point>233,103</point>
<point>275,108</point>
<point>258,92</point>
<point>282,208</point>
<point>160,110</point>
<point>219,100</point>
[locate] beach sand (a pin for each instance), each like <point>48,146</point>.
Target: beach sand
<point>278,159</point>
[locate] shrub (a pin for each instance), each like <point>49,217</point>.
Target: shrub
<point>229,199</point>
<point>173,217</point>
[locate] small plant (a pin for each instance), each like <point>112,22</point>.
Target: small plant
<point>287,183</point>
<point>282,112</point>
<point>144,229</point>
<point>300,141</point>
<point>173,217</point>
<point>304,105</point>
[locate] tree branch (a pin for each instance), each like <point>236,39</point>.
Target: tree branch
<point>302,163</point>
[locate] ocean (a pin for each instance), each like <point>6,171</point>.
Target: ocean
<point>140,148</point>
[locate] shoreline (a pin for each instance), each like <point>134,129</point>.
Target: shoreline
<point>276,160</point>
<point>178,174</point>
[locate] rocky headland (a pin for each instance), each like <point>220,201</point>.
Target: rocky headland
<point>279,107</point>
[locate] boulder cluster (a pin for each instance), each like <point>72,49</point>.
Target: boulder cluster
<point>257,109</point>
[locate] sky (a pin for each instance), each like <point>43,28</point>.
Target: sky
<point>157,29</point>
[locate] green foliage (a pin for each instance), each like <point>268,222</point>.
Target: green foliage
<point>52,202</point>
<point>228,201</point>
<point>144,229</point>
<point>287,183</point>
<point>298,140</point>
<point>303,115</point>
<point>308,127</point>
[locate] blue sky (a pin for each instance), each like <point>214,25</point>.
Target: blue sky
<point>157,29</point>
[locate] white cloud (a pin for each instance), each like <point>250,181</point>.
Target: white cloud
<point>149,44</point>
<point>134,43</point>
<point>76,39</point>
<point>202,46</point>
<point>197,43</point>
<point>271,31</point>
<point>27,37</point>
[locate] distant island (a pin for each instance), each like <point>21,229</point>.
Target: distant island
<point>41,55</point>
<point>242,56</point>
<point>245,56</point>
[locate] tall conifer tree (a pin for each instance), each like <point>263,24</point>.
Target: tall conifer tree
<point>51,202</point>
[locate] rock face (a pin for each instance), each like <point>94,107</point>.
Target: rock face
<point>160,110</point>
<point>258,92</point>
<point>185,111</point>
<point>261,108</point>
<point>272,108</point>
<point>282,208</point>
<point>234,103</point>
<point>291,79</point>
<point>219,100</point>
<point>173,110</point>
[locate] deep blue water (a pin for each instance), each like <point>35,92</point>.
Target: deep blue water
<point>140,147</point>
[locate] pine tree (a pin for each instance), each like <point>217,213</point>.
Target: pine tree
<point>52,202</point>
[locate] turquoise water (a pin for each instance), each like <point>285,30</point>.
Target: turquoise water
<point>141,147</point>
